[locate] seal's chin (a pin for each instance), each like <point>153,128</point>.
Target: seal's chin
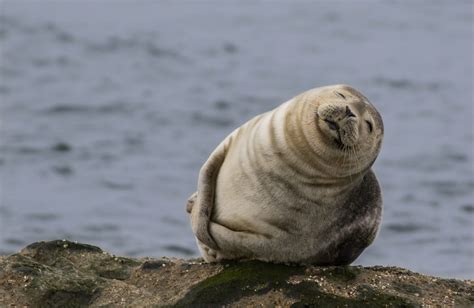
<point>341,146</point>
<point>338,143</point>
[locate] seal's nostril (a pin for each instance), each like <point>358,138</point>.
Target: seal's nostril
<point>349,112</point>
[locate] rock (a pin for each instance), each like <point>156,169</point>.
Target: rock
<point>68,274</point>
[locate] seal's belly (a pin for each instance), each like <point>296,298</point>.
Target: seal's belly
<point>254,194</point>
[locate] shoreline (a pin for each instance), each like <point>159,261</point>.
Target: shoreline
<point>64,273</point>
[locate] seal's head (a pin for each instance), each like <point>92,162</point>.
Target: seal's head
<point>347,123</point>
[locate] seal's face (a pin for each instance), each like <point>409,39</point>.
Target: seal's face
<point>349,123</point>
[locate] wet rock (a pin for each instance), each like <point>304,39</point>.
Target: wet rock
<point>69,274</point>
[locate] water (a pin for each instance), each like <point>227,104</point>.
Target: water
<point>109,109</point>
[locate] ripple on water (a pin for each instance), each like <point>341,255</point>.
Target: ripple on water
<point>4,90</point>
<point>146,45</point>
<point>102,227</point>
<point>61,147</point>
<point>230,48</point>
<point>425,240</point>
<point>44,62</point>
<point>468,208</point>
<point>222,104</point>
<point>179,250</point>
<point>173,221</point>
<point>408,198</point>
<point>80,109</point>
<point>449,251</point>
<point>450,188</point>
<point>63,170</point>
<point>15,241</point>
<point>457,157</point>
<point>211,120</point>
<point>403,83</point>
<point>43,216</point>
<point>60,35</point>
<point>114,185</point>
<point>408,227</point>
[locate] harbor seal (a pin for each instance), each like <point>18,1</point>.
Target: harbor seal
<point>293,185</point>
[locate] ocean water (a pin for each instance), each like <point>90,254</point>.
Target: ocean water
<point>108,109</point>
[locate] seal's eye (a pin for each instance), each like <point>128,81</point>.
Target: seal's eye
<point>332,125</point>
<point>370,126</point>
<point>340,94</point>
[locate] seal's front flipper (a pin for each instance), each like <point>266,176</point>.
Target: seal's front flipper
<point>190,203</point>
<point>204,202</point>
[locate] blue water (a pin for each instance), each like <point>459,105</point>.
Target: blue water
<point>108,110</point>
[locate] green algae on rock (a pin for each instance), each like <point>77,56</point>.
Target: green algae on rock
<point>68,274</point>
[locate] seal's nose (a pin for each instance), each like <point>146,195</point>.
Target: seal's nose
<point>349,112</point>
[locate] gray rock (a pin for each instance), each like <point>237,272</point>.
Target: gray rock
<point>68,274</point>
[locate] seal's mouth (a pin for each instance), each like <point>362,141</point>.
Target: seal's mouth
<point>339,144</point>
<point>341,123</point>
<point>344,135</point>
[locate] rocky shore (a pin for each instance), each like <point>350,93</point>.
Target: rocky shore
<point>69,274</point>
